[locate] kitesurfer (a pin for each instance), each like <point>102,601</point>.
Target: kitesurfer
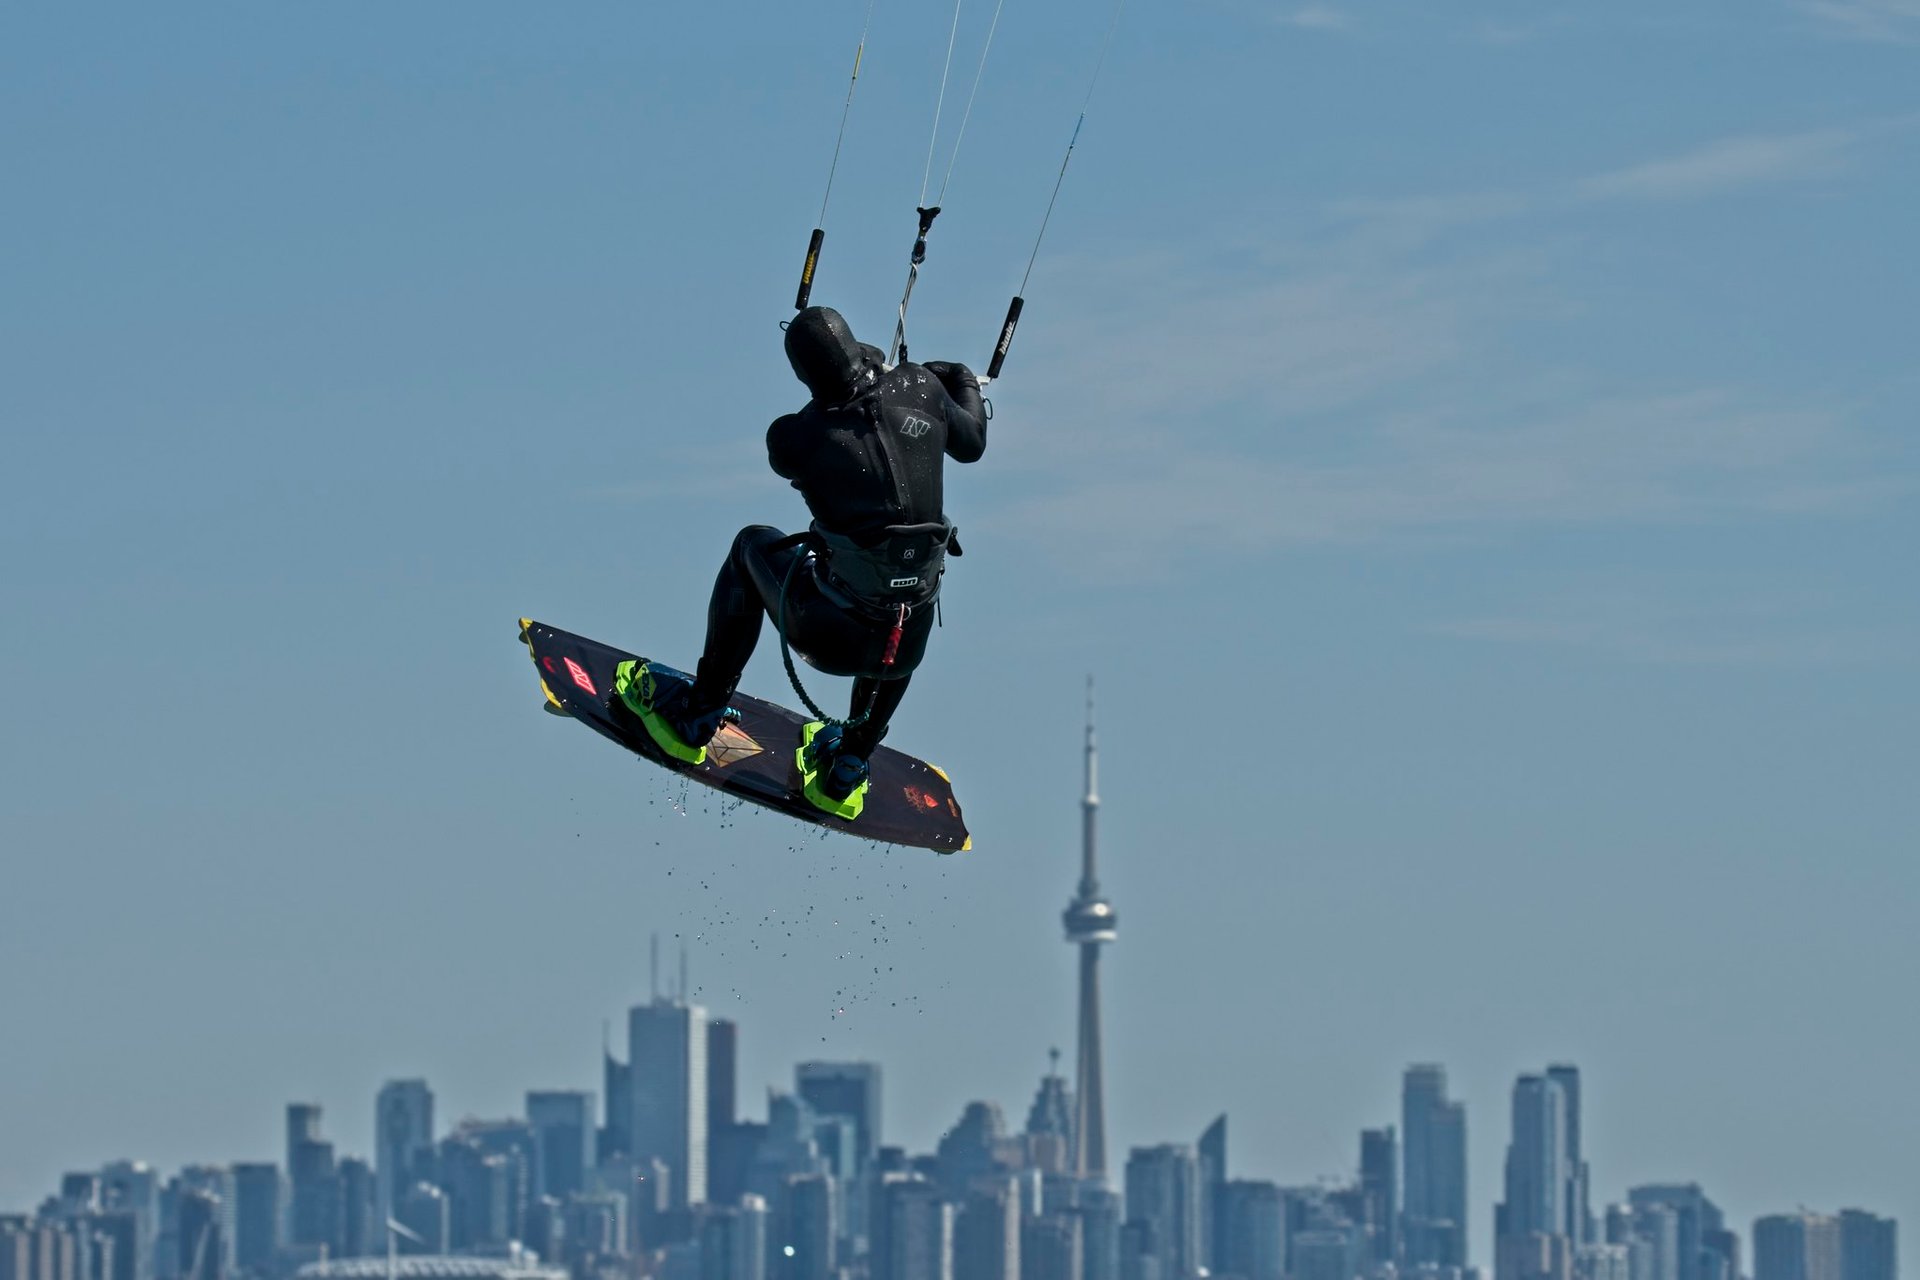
<point>854,595</point>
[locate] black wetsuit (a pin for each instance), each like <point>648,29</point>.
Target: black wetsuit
<point>863,465</point>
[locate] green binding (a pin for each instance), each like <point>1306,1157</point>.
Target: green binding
<point>810,781</point>
<point>633,681</point>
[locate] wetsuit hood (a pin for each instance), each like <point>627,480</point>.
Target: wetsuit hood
<point>825,355</point>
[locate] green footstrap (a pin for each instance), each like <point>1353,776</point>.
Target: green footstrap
<point>634,682</point>
<point>810,781</point>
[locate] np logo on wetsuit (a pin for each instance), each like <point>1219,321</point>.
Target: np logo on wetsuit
<point>915,427</point>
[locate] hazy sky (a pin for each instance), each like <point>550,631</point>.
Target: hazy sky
<point>1472,444</point>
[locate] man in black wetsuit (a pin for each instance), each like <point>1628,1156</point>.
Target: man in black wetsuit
<point>858,590</point>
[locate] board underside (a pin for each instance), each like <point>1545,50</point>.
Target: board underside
<point>909,802</point>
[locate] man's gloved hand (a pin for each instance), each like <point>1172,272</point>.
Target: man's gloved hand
<point>953,377</point>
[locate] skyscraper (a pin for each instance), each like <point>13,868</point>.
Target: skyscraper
<point>562,1121</point>
<point>1163,1190</point>
<point>259,1215</point>
<point>808,1247</point>
<point>403,1128</point>
<point>850,1089</point>
<point>912,1235</point>
<point>1253,1222</point>
<point>1578,1225</point>
<point>1530,1236</point>
<point>617,1079</point>
<point>202,1244</point>
<point>132,1187</point>
<point>1537,1164</point>
<point>362,1225</point>
<point>1434,1128</point>
<point>986,1234</point>
<point>723,1053</point>
<point>1090,923</point>
<point>667,1055</point>
<point>1697,1248</point>
<point>314,1216</point>
<point>1866,1247</point>
<point>1212,1150</point>
<point>1796,1246</point>
<point>1380,1192</point>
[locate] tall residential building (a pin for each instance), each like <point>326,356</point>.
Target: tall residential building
<point>362,1225</point>
<point>132,1187</point>
<point>313,1217</point>
<point>1252,1219</point>
<point>1796,1246</point>
<point>1212,1151</point>
<point>202,1243</point>
<point>733,1241</point>
<point>1091,923</point>
<point>303,1126</point>
<point>1163,1190</point>
<point>260,1207</point>
<point>423,1210</point>
<point>1050,1248</point>
<point>562,1122</point>
<point>1867,1247</point>
<point>171,1256</point>
<point>1380,1193</point>
<point>402,1132</point>
<point>912,1230</point>
<point>723,1069</point>
<point>667,1054</point>
<point>1434,1131</point>
<point>1532,1240</point>
<point>1537,1164</point>
<point>1699,1247</point>
<point>614,1140</point>
<point>850,1089</point>
<point>1578,1224</point>
<point>986,1234</point>
<point>808,1244</point>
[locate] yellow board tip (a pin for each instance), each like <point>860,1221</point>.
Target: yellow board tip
<point>968,845</point>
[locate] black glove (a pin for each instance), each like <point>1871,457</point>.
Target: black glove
<point>952,376</point>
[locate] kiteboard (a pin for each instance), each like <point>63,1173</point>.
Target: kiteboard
<point>908,801</point>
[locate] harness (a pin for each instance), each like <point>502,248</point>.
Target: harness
<point>876,574</point>
<point>883,577</point>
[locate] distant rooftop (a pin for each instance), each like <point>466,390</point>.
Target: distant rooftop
<point>431,1267</point>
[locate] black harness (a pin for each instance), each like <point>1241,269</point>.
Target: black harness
<point>900,564</point>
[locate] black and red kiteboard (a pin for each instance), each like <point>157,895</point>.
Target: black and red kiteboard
<point>908,802</point>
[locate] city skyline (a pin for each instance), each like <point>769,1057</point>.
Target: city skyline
<point>677,1035</point>
<point>671,1107</point>
<point>1653,1232</point>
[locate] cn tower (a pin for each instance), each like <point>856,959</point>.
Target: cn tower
<point>1091,924</point>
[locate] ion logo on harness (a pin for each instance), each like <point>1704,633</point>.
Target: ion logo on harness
<point>904,582</point>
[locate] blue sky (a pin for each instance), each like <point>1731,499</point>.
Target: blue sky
<point>1472,445</point>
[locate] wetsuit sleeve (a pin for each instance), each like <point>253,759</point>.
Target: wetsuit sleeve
<point>966,413</point>
<point>786,446</point>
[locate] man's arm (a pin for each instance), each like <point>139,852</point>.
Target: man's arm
<point>786,446</point>
<point>966,412</point>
